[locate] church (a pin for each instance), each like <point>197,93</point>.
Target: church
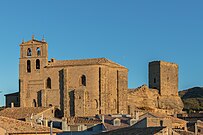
<point>87,87</point>
<point>78,87</point>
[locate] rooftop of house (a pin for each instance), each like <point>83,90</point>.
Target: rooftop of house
<point>12,94</point>
<point>17,126</point>
<point>22,112</point>
<point>82,62</point>
<point>162,115</point>
<point>135,131</point>
<point>83,120</point>
<point>108,122</point>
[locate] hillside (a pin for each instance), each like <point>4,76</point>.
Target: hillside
<point>192,99</point>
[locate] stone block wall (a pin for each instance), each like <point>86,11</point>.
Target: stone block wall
<point>164,77</point>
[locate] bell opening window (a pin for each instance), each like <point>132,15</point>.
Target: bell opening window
<point>37,64</point>
<point>28,66</point>
<point>48,83</point>
<point>29,52</point>
<point>38,51</point>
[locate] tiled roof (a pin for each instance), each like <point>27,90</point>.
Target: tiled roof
<point>177,120</point>
<point>17,126</point>
<point>83,120</point>
<point>134,131</point>
<point>183,132</point>
<point>21,112</point>
<point>108,122</point>
<point>12,94</point>
<point>82,62</point>
<point>162,115</point>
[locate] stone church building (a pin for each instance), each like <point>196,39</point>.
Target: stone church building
<point>78,87</point>
<point>87,87</point>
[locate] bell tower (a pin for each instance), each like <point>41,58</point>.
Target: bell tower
<point>33,59</point>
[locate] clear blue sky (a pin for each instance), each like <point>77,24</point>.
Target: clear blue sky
<point>129,32</point>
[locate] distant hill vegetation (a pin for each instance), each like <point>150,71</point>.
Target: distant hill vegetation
<point>192,99</point>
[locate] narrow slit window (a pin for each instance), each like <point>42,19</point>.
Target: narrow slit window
<point>154,80</point>
<point>115,104</point>
<point>28,66</point>
<point>37,64</point>
<point>34,103</point>
<point>83,80</point>
<point>49,83</point>
<point>96,104</point>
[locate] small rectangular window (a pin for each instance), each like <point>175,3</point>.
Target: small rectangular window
<point>154,80</point>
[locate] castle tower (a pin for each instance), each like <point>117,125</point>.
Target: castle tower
<point>33,59</point>
<point>164,77</point>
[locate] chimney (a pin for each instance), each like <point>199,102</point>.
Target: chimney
<point>132,121</point>
<point>116,122</point>
<point>103,119</point>
<point>46,123</point>
<point>136,115</point>
<point>12,105</point>
<point>64,124</point>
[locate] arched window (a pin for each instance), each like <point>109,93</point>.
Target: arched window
<point>28,66</point>
<point>49,83</point>
<point>37,64</point>
<point>29,52</point>
<point>83,80</point>
<point>38,51</point>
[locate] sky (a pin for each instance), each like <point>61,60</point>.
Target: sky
<point>129,32</point>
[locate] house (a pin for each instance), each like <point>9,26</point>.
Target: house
<point>138,131</point>
<point>38,115</point>
<point>96,124</point>
<point>13,99</point>
<point>9,126</point>
<point>161,119</point>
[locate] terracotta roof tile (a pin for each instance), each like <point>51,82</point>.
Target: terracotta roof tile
<point>17,126</point>
<point>108,122</point>
<point>94,61</point>
<point>162,115</point>
<point>83,120</point>
<point>21,112</point>
<point>134,131</point>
